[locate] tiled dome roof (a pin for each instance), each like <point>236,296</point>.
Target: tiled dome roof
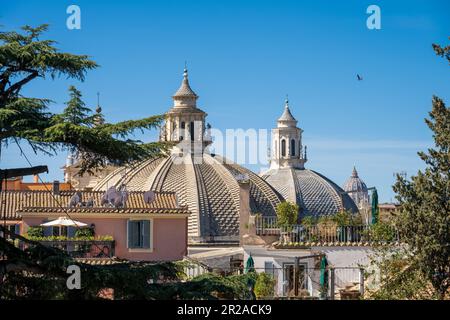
<point>315,194</point>
<point>287,115</point>
<point>209,189</point>
<point>185,89</point>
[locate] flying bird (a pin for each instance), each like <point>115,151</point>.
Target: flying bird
<point>359,77</point>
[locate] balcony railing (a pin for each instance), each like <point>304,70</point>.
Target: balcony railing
<point>320,234</point>
<point>83,248</point>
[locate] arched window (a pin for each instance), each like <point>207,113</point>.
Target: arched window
<point>283,148</point>
<point>293,148</point>
<point>183,125</point>
<point>192,131</point>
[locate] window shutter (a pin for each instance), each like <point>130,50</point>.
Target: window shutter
<point>131,233</point>
<point>268,267</point>
<point>146,234</point>
<point>17,229</point>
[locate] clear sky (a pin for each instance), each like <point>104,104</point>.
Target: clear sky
<point>245,56</point>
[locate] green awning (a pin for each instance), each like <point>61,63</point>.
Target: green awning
<point>250,265</point>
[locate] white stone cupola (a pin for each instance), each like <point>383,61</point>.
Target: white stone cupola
<point>287,149</point>
<point>185,123</point>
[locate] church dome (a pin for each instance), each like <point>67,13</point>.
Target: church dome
<point>357,189</point>
<point>315,194</point>
<point>209,188</point>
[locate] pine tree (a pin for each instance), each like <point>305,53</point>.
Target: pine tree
<point>25,57</point>
<point>424,223</point>
<point>76,111</point>
<point>442,51</point>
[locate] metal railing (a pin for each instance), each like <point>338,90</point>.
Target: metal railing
<point>84,248</point>
<point>266,226</point>
<point>325,233</point>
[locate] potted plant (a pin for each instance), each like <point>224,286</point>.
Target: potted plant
<point>287,217</point>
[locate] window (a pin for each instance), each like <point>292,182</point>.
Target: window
<point>268,267</point>
<point>139,234</point>
<point>292,147</point>
<point>192,131</point>
<point>59,231</point>
<point>183,125</point>
<point>289,277</point>
<point>14,228</point>
<point>283,148</point>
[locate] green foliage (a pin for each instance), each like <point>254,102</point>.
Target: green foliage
<point>420,267</point>
<point>287,213</point>
<point>39,272</point>
<point>76,111</point>
<point>65,238</point>
<point>347,218</point>
<point>442,51</point>
<point>309,221</point>
<point>84,233</point>
<point>264,286</point>
<point>423,222</point>
<point>26,56</point>
<point>396,276</point>
<point>35,232</point>
<point>382,232</point>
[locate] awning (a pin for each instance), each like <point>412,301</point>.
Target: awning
<point>64,222</point>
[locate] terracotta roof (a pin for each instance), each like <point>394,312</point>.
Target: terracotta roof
<point>14,202</point>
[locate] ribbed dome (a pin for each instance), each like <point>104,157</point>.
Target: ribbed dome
<point>209,189</point>
<point>315,194</point>
<point>357,189</point>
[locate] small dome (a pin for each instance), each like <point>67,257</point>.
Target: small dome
<point>314,193</point>
<point>357,189</point>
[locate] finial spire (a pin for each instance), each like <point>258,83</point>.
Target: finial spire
<point>185,71</point>
<point>354,173</point>
<point>287,100</point>
<point>185,92</point>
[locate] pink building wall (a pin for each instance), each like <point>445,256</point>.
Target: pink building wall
<point>169,236</point>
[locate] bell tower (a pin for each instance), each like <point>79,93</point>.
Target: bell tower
<point>185,123</point>
<point>287,148</point>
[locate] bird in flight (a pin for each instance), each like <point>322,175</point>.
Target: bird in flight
<point>359,77</point>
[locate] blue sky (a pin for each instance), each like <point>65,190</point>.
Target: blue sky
<point>245,56</point>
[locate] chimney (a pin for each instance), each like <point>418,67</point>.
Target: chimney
<point>35,178</point>
<point>247,227</point>
<point>56,187</point>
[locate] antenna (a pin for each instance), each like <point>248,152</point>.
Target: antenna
<point>75,199</point>
<point>149,197</point>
